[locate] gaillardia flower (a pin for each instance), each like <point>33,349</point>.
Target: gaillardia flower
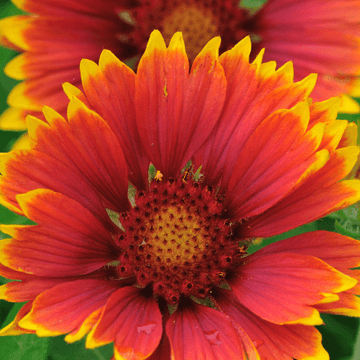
<point>131,245</point>
<point>318,35</point>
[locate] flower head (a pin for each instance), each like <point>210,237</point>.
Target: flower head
<point>157,260</point>
<point>318,35</point>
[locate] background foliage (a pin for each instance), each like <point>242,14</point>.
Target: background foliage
<point>340,334</point>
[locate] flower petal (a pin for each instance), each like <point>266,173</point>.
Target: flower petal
<point>13,274</point>
<point>132,320</point>
<point>323,39</point>
<point>177,111</point>
<point>12,120</point>
<point>253,94</point>
<point>100,84</point>
<point>273,342</point>
<point>163,351</point>
<point>339,251</point>
<point>303,205</point>
<point>13,328</point>
<point>31,286</point>
<point>64,307</point>
<point>274,159</point>
<point>333,134</point>
<point>306,194</point>
<point>200,333</point>
<point>68,239</point>
<point>85,326</point>
<point>16,291</point>
<point>64,8</point>
<point>38,170</point>
<point>51,38</point>
<point>281,288</point>
<point>12,31</point>
<point>348,305</point>
<point>31,95</point>
<point>78,144</point>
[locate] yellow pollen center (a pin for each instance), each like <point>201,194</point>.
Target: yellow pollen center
<point>176,237</point>
<point>176,241</point>
<point>197,23</point>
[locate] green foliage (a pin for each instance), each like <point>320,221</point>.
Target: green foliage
<point>24,347</point>
<point>347,221</point>
<point>60,350</point>
<point>339,335</point>
<point>251,4</point>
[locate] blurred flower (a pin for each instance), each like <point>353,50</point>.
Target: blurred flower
<point>161,267</point>
<point>318,35</point>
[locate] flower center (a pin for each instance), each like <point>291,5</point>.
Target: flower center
<point>198,20</point>
<point>195,21</point>
<point>176,241</point>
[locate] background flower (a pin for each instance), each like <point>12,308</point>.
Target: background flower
<point>267,153</point>
<point>317,36</point>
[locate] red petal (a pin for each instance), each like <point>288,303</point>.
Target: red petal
<point>80,331</point>
<point>16,291</point>
<point>68,239</point>
<point>90,7</point>
<point>163,351</point>
<point>29,288</point>
<point>12,274</point>
<point>77,143</point>
<point>328,46</point>
<point>281,288</point>
<point>132,320</point>
<point>274,159</point>
<point>273,342</point>
<point>201,333</point>
<point>250,98</point>
<point>26,170</point>
<point>177,111</point>
<point>339,251</point>
<point>100,84</point>
<point>303,205</point>
<point>348,304</point>
<point>31,95</point>
<point>64,307</point>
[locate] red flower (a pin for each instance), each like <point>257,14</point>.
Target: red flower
<point>160,267</point>
<point>318,35</point>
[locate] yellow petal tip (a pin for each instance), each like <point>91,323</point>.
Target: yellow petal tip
<point>156,42</point>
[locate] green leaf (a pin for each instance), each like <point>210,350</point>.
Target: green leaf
<point>356,353</point>
<point>61,350</point>
<point>347,221</point>
<point>339,335</point>
<point>250,4</point>
<point>351,212</point>
<point>24,347</point>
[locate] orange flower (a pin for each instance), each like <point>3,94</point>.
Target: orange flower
<point>160,267</point>
<point>318,35</point>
